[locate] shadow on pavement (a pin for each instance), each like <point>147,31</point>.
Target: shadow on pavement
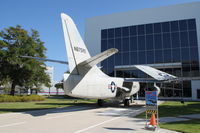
<point>117,109</point>
<point>81,107</point>
<point>61,110</point>
<point>114,128</point>
<point>43,111</point>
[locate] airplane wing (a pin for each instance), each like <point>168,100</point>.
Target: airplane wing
<point>157,75</point>
<point>44,59</point>
<point>98,58</point>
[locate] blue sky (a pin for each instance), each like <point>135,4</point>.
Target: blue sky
<point>44,16</point>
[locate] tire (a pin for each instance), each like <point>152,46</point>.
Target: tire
<point>100,102</point>
<point>126,102</point>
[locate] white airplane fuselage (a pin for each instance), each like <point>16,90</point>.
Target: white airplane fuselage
<point>96,85</point>
<point>86,80</point>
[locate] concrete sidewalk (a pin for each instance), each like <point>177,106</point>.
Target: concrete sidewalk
<point>78,119</point>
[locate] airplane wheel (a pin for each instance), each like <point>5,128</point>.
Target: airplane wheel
<point>100,102</point>
<point>126,102</point>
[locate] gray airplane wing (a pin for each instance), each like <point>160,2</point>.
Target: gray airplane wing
<point>157,75</point>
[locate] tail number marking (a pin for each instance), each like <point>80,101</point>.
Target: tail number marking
<point>78,49</point>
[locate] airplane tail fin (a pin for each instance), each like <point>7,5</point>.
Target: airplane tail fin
<point>76,49</point>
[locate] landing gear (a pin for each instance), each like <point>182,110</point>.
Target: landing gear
<point>100,102</point>
<point>126,102</point>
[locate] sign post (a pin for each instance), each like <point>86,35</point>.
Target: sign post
<point>151,109</point>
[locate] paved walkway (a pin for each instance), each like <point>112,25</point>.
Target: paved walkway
<point>79,119</point>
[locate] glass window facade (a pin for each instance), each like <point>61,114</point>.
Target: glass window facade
<point>155,43</point>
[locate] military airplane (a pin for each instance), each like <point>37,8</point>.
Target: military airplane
<point>86,80</point>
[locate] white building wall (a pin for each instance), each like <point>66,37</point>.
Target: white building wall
<point>152,15</point>
<point>52,90</point>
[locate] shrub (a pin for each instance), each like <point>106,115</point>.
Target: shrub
<point>8,98</point>
<point>32,98</point>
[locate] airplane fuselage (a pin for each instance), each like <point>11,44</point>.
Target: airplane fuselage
<point>86,80</point>
<point>96,85</point>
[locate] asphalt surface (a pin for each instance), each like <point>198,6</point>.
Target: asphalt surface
<point>79,119</point>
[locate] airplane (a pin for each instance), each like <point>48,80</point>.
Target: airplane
<point>86,80</point>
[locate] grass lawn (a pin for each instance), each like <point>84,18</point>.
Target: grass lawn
<point>191,126</point>
<point>52,102</point>
<point>173,109</point>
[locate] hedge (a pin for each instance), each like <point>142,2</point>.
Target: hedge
<point>9,98</point>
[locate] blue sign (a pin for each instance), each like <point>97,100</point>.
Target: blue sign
<point>151,98</point>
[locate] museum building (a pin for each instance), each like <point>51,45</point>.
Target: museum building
<point>166,38</point>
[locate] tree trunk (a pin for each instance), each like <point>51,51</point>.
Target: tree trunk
<point>12,91</point>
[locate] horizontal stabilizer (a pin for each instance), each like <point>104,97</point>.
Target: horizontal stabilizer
<point>44,59</point>
<point>98,58</point>
<point>156,74</point>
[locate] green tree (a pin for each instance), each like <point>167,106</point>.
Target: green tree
<point>59,85</point>
<point>14,43</point>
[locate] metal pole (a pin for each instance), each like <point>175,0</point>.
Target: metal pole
<point>157,108</point>
<point>137,95</point>
<point>146,109</point>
